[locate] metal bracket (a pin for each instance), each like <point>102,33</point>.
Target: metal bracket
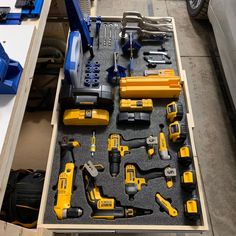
<point>4,11</point>
<point>25,4</point>
<point>170,172</point>
<point>152,140</point>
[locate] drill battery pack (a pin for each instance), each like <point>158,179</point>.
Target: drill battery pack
<point>134,118</point>
<point>86,117</point>
<point>136,105</point>
<point>174,111</point>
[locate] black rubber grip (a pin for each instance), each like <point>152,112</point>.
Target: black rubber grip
<point>114,160</point>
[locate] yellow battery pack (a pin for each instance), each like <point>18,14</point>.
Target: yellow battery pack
<point>153,86</point>
<point>86,117</point>
<point>191,209</point>
<point>136,105</point>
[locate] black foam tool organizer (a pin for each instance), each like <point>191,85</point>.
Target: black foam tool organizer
<point>114,187</point>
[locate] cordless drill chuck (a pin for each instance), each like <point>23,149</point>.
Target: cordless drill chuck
<point>73,212</point>
<point>114,160</point>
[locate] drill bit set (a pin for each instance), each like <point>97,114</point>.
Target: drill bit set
<point>135,164</point>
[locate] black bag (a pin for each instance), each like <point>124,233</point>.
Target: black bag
<point>22,197</point>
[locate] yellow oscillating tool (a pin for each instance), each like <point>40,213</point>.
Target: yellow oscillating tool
<point>86,117</point>
<point>166,206</point>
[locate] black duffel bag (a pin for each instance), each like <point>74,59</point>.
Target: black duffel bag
<point>22,197</point>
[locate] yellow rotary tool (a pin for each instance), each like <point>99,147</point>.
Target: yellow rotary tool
<point>163,150</point>
<point>165,205</point>
<point>86,117</point>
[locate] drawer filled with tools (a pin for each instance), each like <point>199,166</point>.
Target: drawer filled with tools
<point>123,156</point>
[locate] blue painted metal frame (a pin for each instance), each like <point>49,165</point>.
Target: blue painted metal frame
<point>10,73</point>
<point>77,22</point>
<point>16,18</point>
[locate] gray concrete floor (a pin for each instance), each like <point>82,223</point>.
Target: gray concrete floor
<point>213,135</point>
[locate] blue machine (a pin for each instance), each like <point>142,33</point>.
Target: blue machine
<point>131,43</point>
<point>9,18</point>
<point>72,67</point>
<point>77,22</point>
<point>10,73</point>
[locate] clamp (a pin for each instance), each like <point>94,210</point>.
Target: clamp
<point>143,33</point>
<point>147,19</point>
<point>10,73</point>
<point>145,25</point>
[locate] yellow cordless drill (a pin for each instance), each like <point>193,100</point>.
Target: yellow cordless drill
<point>118,147</point>
<point>103,207</point>
<point>135,177</point>
<point>62,207</point>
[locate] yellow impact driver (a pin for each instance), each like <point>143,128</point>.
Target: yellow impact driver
<point>136,178</point>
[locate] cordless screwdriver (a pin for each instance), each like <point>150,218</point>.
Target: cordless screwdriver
<point>118,147</point>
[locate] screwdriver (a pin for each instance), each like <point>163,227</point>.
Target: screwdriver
<point>131,65</point>
<point>93,144</point>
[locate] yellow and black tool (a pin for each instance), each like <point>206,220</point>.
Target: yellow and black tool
<point>104,207</point>
<point>136,105</point>
<point>93,143</point>
<point>162,146</point>
<point>185,156</point>
<point>62,207</point>
<point>135,177</point>
<point>86,117</point>
<point>178,132</point>
<point>174,111</point>
<point>192,209</point>
<point>188,180</point>
<point>163,85</point>
<point>165,205</point>
<point>118,147</point>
